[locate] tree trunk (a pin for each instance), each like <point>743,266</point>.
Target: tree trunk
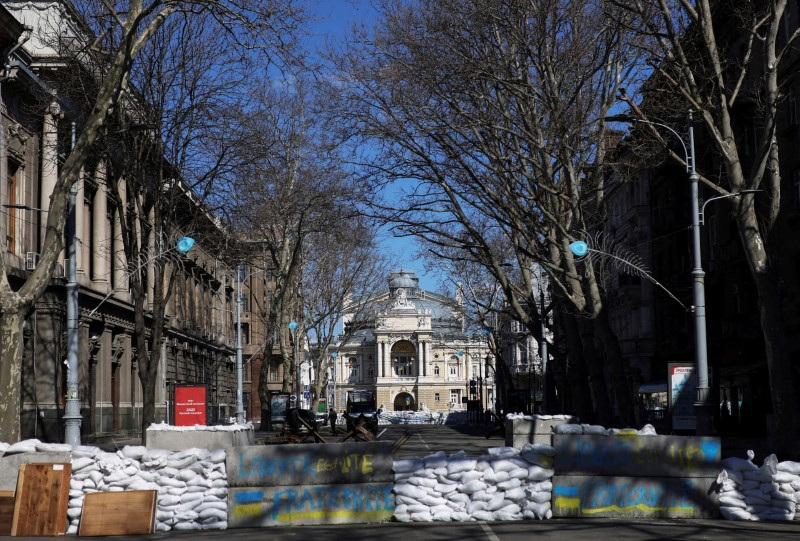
<point>577,398</point>
<point>263,386</point>
<point>603,411</point>
<point>149,404</point>
<point>619,369</point>
<point>781,378</point>
<point>10,375</point>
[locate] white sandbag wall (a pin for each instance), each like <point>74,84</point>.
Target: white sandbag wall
<point>507,484</point>
<point>767,492</point>
<point>192,484</point>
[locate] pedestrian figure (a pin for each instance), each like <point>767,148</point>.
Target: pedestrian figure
<point>332,416</point>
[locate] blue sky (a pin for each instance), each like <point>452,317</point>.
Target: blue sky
<point>335,19</point>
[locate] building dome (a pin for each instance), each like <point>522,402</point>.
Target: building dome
<point>406,280</point>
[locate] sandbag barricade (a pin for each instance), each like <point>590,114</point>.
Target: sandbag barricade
<point>323,483</point>
<point>635,476</point>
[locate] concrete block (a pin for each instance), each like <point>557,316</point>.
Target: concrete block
<point>308,504</point>
<point>534,430</point>
<point>633,497</point>
<point>175,440</point>
<point>309,464</point>
<point>637,456</point>
<point>9,465</point>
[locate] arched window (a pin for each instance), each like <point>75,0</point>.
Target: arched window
<point>436,370</point>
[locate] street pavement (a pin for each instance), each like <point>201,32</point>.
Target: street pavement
<point>556,529</point>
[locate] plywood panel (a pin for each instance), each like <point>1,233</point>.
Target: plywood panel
<point>40,506</point>
<point>118,513</point>
<point>6,511</point>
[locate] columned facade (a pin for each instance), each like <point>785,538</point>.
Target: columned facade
<point>413,351</point>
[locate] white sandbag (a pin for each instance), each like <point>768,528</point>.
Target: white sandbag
<point>401,517</point>
<point>491,489</point>
<point>440,509</point>
<point>541,448</point>
<point>24,446</point>
<point>175,491</point>
<point>509,484</point>
<point>82,463</point>
<point>498,501</point>
<point>440,472</point>
<point>483,496</point>
<point>444,490</point>
<point>502,451</point>
<point>168,501</point>
<point>459,497</point>
<point>540,510</point>
<point>731,474</point>
<point>519,473</point>
<point>767,488</point>
<point>435,460</point>
<point>541,486</point>
<point>212,513</point>
<point>468,476</point>
<point>186,526</point>
<point>595,430</point>
<point>568,429</point>
<point>501,476</point>
<point>755,496</point>
<point>181,463</point>
<point>512,509</point>
<point>622,432</point>
<point>134,452</point>
<point>734,513</point>
<point>473,486</point>
<point>161,527</point>
<point>400,477</point>
<point>141,484</point>
<point>217,483</point>
<point>114,488</point>
<point>725,501</point>
<point>475,505</point>
<point>456,506</point>
<point>542,497</point>
<point>749,485</point>
<point>538,459</point>
<point>784,505</point>
<point>738,464</point>
<point>423,482</point>
<point>461,516</point>
<point>648,430</point>
<point>483,515</point>
<point>170,482</point>
<point>421,516</point>
<point>442,516</point>
<point>535,473</point>
<point>787,489</point>
<point>504,515</point>
<point>166,471</point>
<point>757,475</point>
<point>410,490</point>
<point>218,525</point>
<point>461,465</point>
<point>43,447</point>
<point>404,465</point>
<point>432,501</point>
<point>211,505</point>
<point>515,494</point>
<point>217,492</point>
<point>509,464</point>
<point>217,456</point>
<point>199,481</point>
<point>789,466</point>
<point>784,477</point>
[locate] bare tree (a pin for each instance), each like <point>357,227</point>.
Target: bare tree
<point>494,112</point>
<point>289,189</point>
<point>344,271</point>
<point>723,60</point>
<point>125,29</point>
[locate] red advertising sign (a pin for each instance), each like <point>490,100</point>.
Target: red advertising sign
<point>190,405</point>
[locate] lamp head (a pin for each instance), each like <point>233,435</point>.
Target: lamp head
<point>292,325</point>
<point>184,244</point>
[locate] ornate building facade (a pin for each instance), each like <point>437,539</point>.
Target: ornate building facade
<point>411,348</point>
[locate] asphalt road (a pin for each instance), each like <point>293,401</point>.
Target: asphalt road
<point>560,529</point>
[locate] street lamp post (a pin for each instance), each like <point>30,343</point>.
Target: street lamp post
<point>335,355</point>
<point>239,369</point>
<point>702,407</point>
<point>298,390</point>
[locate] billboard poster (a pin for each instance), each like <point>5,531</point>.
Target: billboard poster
<point>190,405</point>
<point>278,403</point>
<point>682,382</point>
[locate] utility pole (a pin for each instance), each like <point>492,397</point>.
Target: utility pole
<point>72,413</point>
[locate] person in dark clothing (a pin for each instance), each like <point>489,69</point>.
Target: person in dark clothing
<point>332,416</point>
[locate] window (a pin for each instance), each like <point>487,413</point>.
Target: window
<point>436,370</point>
<point>273,371</point>
<point>454,370</point>
<point>11,229</point>
<point>436,397</point>
<point>455,395</point>
<point>245,333</point>
<point>371,371</point>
